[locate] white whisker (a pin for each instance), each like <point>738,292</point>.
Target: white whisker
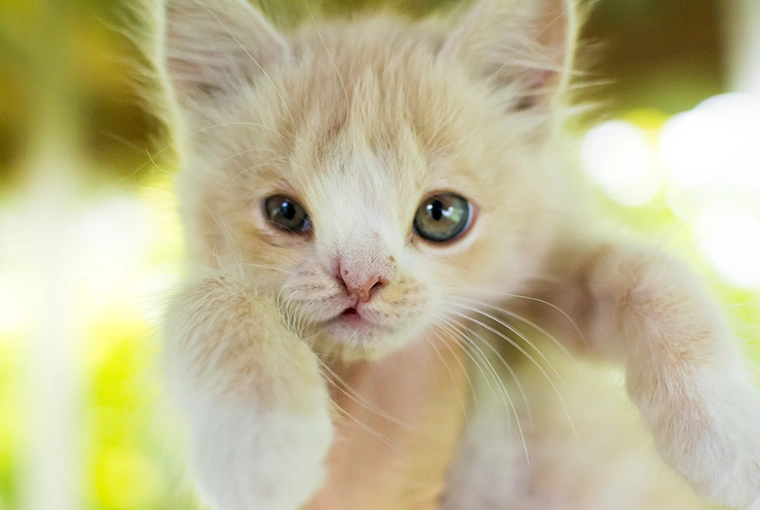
<point>383,439</point>
<point>509,368</point>
<point>466,372</point>
<point>342,385</point>
<point>448,331</point>
<point>533,360</point>
<point>513,330</point>
<point>538,328</point>
<point>450,372</point>
<point>506,399</point>
<point>534,299</point>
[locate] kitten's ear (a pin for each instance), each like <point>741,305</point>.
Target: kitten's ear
<point>210,44</point>
<point>524,47</point>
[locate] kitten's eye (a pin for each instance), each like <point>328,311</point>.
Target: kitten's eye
<point>442,217</point>
<point>287,214</point>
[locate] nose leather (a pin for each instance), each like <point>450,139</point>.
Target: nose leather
<point>362,285</point>
<point>364,267</point>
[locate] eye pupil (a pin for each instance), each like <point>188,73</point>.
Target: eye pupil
<point>436,210</point>
<point>287,210</point>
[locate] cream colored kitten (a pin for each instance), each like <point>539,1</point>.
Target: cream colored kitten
<point>357,189</point>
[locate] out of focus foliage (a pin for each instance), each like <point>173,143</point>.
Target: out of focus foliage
<point>67,75</point>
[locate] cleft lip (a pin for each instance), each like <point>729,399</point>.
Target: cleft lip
<point>349,311</point>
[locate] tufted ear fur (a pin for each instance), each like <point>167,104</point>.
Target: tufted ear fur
<point>210,45</point>
<point>523,48</point>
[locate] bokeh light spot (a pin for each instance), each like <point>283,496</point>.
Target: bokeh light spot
<point>712,153</point>
<point>730,238</point>
<point>619,158</point>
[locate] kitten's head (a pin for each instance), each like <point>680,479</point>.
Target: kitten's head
<point>371,174</point>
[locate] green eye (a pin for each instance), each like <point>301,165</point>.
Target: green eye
<point>442,217</point>
<point>287,214</point>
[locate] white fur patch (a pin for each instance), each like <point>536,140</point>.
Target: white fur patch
<point>246,458</point>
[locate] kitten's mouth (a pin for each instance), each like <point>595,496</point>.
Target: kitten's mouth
<point>359,332</point>
<point>352,318</point>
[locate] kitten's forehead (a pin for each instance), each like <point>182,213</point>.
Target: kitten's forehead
<point>390,94</point>
<point>364,108</point>
<point>359,186</point>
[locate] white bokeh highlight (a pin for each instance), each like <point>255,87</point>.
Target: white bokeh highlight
<point>712,154</point>
<point>729,237</point>
<point>620,159</point>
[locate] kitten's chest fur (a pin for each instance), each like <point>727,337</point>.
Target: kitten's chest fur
<point>554,433</point>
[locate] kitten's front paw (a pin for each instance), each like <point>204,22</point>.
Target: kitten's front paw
<point>249,458</point>
<point>257,403</point>
<point>713,440</point>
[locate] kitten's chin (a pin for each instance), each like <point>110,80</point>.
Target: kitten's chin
<point>352,338</point>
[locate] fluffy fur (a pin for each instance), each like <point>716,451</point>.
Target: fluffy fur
<point>360,121</point>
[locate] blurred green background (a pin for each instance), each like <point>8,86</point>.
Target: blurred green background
<point>89,241</point>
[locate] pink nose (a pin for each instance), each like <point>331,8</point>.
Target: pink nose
<point>362,283</point>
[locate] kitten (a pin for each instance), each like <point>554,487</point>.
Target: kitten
<point>375,190</point>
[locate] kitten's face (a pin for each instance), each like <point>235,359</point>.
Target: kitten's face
<point>370,183</point>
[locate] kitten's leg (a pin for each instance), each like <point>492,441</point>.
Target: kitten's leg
<point>683,369</point>
<point>257,404</point>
